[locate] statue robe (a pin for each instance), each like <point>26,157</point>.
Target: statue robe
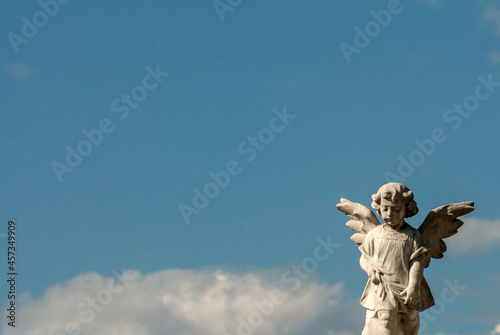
<point>392,253</point>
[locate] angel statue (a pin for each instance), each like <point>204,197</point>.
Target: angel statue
<point>394,256</point>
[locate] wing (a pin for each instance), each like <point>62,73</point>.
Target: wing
<point>363,219</point>
<point>441,223</point>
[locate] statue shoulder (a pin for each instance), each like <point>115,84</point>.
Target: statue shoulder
<point>413,233</point>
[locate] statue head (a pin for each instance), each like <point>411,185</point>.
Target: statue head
<point>398,198</point>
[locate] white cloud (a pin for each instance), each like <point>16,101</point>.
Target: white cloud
<point>492,14</point>
<point>19,70</point>
<point>475,236</point>
<point>497,329</point>
<point>179,302</point>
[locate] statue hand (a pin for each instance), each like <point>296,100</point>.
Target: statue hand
<point>411,295</point>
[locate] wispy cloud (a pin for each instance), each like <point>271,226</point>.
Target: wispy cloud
<point>492,14</point>
<point>19,70</point>
<point>476,236</point>
<point>182,302</point>
<point>494,56</point>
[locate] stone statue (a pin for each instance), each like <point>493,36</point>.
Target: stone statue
<point>394,256</point>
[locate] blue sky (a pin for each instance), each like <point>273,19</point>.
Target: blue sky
<point>351,122</point>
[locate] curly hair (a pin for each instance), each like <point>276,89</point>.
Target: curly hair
<point>393,191</point>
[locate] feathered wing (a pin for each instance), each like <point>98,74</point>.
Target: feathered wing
<point>363,219</point>
<point>442,223</point>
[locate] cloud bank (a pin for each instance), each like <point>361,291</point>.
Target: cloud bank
<point>189,302</point>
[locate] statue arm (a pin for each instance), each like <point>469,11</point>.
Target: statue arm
<point>416,273</point>
<point>415,278</point>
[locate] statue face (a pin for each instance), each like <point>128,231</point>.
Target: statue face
<point>393,213</point>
